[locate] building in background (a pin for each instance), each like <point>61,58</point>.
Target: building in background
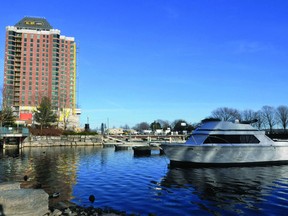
<point>39,62</point>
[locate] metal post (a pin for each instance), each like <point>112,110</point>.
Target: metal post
<point>20,142</point>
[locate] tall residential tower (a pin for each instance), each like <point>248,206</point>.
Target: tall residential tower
<point>39,62</point>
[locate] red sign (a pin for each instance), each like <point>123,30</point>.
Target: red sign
<point>25,116</point>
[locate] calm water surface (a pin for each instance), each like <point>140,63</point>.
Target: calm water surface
<point>143,185</point>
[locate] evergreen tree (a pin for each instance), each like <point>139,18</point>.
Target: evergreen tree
<point>155,125</point>
<point>44,114</point>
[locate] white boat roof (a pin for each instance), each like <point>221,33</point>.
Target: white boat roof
<point>206,129</point>
<point>224,126</point>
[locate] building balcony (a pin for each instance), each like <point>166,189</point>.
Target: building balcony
<point>16,89</point>
<point>16,99</point>
<point>16,109</point>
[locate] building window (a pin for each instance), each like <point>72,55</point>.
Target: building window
<point>231,139</point>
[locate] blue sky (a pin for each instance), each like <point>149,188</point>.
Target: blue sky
<point>143,60</point>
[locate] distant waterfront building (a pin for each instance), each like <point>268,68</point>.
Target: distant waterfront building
<point>114,131</point>
<point>39,62</point>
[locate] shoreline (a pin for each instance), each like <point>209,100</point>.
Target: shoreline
<point>61,207</point>
<point>64,140</point>
<point>37,203</point>
<point>65,207</point>
<point>70,208</point>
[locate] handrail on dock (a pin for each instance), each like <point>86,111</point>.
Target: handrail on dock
<point>14,130</point>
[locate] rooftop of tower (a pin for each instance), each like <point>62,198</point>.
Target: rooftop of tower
<point>34,23</point>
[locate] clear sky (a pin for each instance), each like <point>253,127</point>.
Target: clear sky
<point>143,60</point>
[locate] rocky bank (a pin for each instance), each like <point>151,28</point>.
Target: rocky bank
<point>15,201</point>
<point>63,140</point>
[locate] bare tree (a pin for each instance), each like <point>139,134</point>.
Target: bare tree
<point>65,112</point>
<point>65,117</point>
<point>226,114</point>
<point>125,127</point>
<point>142,126</point>
<point>248,115</point>
<point>269,119</point>
<point>6,116</point>
<point>6,112</point>
<point>7,97</point>
<point>164,124</point>
<point>282,116</point>
<point>260,123</point>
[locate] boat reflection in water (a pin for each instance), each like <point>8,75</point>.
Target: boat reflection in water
<point>234,190</point>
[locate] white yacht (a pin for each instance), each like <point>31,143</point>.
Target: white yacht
<point>222,143</point>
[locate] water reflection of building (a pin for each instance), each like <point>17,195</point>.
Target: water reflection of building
<point>54,168</point>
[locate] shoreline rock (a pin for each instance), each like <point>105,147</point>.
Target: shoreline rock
<point>74,210</point>
<point>18,201</point>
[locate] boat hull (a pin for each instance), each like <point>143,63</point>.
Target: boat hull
<point>226,155</point>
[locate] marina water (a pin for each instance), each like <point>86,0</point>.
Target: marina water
<point>143,185</point>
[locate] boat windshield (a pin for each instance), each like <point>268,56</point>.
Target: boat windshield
<point>231,139</point>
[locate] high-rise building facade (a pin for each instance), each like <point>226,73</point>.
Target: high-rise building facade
<point>39,62</point>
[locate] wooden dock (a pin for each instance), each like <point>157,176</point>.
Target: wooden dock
<point>142,145</point>
<point>146,150</point>
<point>139,148</point>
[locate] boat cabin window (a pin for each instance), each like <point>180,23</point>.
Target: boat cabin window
<point>231,139</point>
